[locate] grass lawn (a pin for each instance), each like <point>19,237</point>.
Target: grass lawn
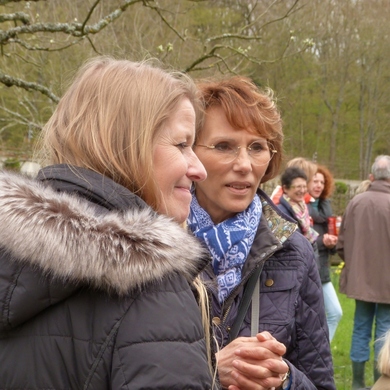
<point>341,344</point>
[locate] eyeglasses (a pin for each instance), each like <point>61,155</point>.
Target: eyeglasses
<point>301,188</point>
<point>260,152</point>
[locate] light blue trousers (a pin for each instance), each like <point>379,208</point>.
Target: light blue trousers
<point>333,308</point>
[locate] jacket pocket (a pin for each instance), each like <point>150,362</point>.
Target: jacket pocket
<point>278,295</point>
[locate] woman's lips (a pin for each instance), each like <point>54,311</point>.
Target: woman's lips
<point>239,188</point>
<point>239,185</point>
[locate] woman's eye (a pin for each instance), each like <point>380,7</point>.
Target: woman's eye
<point>223,147</point>
<point>183,145</point>
<point>257,147</point>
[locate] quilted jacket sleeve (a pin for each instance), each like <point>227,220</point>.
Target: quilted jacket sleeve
<point>312,349</point>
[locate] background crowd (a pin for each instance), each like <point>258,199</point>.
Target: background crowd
<point>152,239</point>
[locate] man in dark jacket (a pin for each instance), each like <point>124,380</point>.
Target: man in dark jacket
<point>364,244</point>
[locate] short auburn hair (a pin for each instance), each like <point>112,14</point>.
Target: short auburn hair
<point>246,108</point>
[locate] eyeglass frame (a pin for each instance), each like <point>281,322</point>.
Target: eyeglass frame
<point>299,187</point>
<point>272,151</point>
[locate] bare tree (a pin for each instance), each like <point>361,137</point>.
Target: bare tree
<point>42,42</point>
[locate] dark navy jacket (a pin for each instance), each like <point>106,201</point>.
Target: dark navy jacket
<point>291,301</point>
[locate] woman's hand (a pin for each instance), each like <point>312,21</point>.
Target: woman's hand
<point>252,363</point>
<point>329,240</point>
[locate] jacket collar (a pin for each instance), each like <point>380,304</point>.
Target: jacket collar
<point>380,186</point>
<point>92,186</point>
<point>71,239</point>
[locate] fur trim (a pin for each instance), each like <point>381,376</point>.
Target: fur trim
<point>117,252</point>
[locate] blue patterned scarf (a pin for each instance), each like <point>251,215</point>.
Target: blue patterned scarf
<point>229,242</point>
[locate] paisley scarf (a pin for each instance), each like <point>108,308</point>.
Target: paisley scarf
<point>229,242</point>
<point>301,212</point>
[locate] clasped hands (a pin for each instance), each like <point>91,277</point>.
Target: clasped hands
<point>252,363</point>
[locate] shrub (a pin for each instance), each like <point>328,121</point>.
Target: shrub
<point>12,164</point>
<point>340,187</point>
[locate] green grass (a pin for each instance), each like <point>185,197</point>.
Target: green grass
<point>341,344</point>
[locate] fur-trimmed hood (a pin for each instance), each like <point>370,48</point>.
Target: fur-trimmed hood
<point>71,239</point>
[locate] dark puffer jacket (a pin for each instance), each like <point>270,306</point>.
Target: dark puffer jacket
<point>291,301</point>
<point>95,289</point>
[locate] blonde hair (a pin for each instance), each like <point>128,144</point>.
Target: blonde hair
<point>363,186</point>
<point>108,121</point>
<point>309,167</point>
<point>383,363</point>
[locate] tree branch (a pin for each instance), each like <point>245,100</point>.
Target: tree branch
<point>42,48</point>
<point>78,30</point>
<point>4,2</point>
<point>10,81</point>
<point>285,16</point>
<point>89,15</point>
<point>22,16</point>
<point>158,11</point>
<point>74,29</point>
<point>21,119</point>
<point>238,52</point>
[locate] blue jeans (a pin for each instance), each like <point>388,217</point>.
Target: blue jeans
<point>332,308</point>
<point>365,312</point>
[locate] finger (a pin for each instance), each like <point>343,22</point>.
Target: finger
<point>264,336</point>
<point>255,355</point>
<point>263,350</point>
<point>247,383</point>
<point>261,369</point>
<point>244,340</point>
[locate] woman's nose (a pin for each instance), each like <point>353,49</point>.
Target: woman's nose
<point>196,170</point>
<point>243,161</point>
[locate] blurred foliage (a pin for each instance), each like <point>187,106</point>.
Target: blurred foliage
<point>327,61</point>
<point>340,187</point>
<point>12,164</point>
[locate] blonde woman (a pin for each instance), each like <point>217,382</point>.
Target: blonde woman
<point>96,274</point>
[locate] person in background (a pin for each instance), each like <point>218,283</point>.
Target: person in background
<point>364,245</point>
<point>363,186</point>
<point>250,240</point>
<point>97,277</point>
<point>307,166</point>
<point>292,202</point>
<point>320,187</point>
<point>383,365</point>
